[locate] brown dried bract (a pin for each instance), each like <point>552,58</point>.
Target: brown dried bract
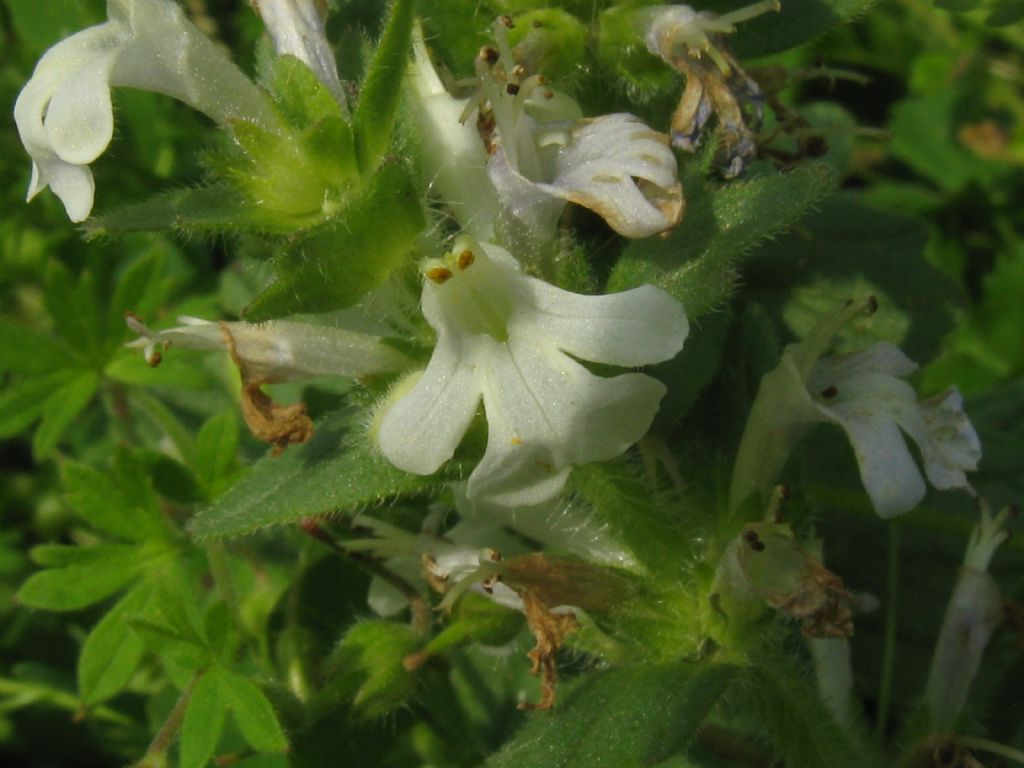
<point>733,96</point>
<point>795,582</point>
<point>821,603</point>
<point>549,629</point>
<point>279,425</point>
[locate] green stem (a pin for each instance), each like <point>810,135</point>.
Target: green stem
<point>891,616</point>
<point>155,756</point>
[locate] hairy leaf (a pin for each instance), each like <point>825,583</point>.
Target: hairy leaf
<point>378,102</point>
<point>335,471</point>
<point>333,265</point>
<point>631,716</point>
<point>698,263</point>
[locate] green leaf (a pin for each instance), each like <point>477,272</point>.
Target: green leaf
<point>111,652</point>
<point>80,584</point>
<point>849,250</point>
<point>797,22</point>
<point>28,352</point>
<point>60,409</point>
<point>310,108</point>
<point>75,310</point>
<point>203,722</point>
<point>101,501</point>
<point>140,289</point>
<point>252,712</point>
<point>335,264</point>
<point>652,525</point>
<point>173,624</point>
<point>789,712</point>
<point>698,263</point>
<point>23,402</point>
<point>1005,12</point>
<point>374,117</point>
<point>216,447</point>
<point>40,26</point>
<point>216,208</point>
<point>62,555</point>
<point>218,692</point>
<point>631,716</point>
<point>958,6</point>
<point>924,136</point>
<point>335,471</point>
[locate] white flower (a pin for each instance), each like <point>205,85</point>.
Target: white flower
<point>975,610</point>
<point>614,165</point>
<point>864,393</point>
<point>278,350</point>
<point>297,28</point>
<point>64,113</point>
<point>540,152</point>
<point>510,340</point>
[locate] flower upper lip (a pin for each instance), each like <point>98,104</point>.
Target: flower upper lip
<point>64,113</point>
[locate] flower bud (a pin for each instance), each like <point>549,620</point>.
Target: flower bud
<point>366,668</point>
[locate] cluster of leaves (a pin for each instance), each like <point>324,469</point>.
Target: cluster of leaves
<point>194,598</point>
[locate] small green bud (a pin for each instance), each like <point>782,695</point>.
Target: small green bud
<point>550,41</point>
<point>366,668</point>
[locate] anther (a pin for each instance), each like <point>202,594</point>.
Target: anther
<point>465,260</point>
<point>829,392</point>
<point>507,22</point>
<point>519,71</point>
<point>489,54</point>
<point>757,546</point>
<point>750,535</point>
<point>154,359</point>
<point>872,305</point>
<point>439,275</point>
<point>512,89</point>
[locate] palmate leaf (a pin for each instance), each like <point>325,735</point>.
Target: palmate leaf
<point>216,693</point>
<point>698,263</point>
<point>111,652</point>
<point>631,716</point>
<point>81,576</point>
<point>335,471</point>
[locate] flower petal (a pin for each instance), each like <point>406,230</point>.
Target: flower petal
<point>73,184</point>
<point>637,327</point>
<point>881,358</point>
<point>80,117</point>
<point>536,205</point>
<point>622,170</point>
<point>422,429</point>
<point>887,470</point>
<point>546,412</point>
<point>951,445</point>
<point>860,393</point>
